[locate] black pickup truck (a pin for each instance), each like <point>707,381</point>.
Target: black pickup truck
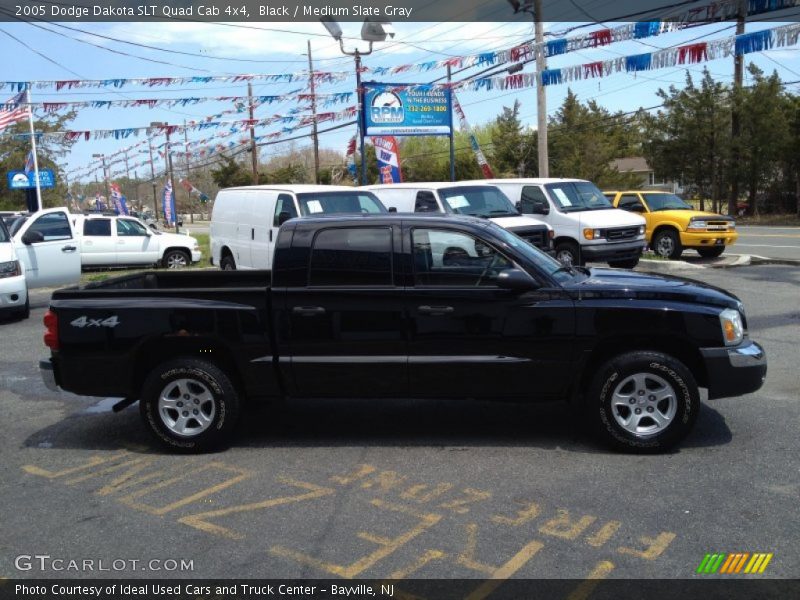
<point>419,306</point>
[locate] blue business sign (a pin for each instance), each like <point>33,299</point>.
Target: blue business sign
<point>20,180</point>
<point>406,109</point>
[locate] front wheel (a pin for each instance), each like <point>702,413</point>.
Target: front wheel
<point>643,402</point>
<point>189,405</point>
<point>712,252</point>
<point>667,244</point>
<point>624,264</point>
<point>227,263</point>
<point>568,254</point>
<point>176,259</point>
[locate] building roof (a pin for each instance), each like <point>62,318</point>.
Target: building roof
<point>631,164</point>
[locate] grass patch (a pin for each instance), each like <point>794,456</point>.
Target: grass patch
<point>780,220</point>
<point>650,255</point>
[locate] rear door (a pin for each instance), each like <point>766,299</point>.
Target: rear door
<point>56,260</point>
<point>345,326</point>
<point>135,244</point>
<point>98,245</point>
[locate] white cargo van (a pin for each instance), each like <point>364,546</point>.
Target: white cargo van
<point>587,226</point>
<point>245,220</point>
<point>472,198</point>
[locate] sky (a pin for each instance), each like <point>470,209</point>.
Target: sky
<point>50,52</point>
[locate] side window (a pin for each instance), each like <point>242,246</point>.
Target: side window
<point>626,201</point>
<point>285,203</point>
<point>97,227</point>
<point>351,257</point>
<point>126,227</point>
<point>53,226</point>
<point>453,259</point>
<point>533,198</point>
<point>425,202</point>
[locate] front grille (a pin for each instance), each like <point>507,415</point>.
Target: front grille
<point>618,234</point>
<point>535,235</point>
<point>718,225</point>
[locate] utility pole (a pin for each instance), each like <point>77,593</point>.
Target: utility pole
<point>186,164</point>
<point>736,124</point>
<point>153,176</point>
<point>452,134</point>
<point>541,96</point>
<point>253,147</point>
<point>314,136</point>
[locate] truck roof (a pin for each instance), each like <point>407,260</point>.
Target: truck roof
<point>300,188</point>
<point>433,185</point>
<point>542,180</point>
<point>389,217</point>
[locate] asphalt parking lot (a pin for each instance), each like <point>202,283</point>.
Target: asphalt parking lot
<point>405,489</point>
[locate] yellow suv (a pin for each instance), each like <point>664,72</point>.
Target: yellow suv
<point>673,225</point>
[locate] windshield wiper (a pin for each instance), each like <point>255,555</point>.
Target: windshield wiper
<point>504,213</point>
<point>565,269</point>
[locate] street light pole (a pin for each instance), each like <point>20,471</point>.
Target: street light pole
<point>102,157</point>
<point>168,161</point>
<point>314,135</point>
<point>153,176</point>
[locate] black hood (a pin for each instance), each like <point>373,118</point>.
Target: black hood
<point>618,283</point>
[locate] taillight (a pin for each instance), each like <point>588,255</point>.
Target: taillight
<point>51,330</point>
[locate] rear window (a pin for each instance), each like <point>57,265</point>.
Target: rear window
<point>355,202</point>
<point>354,256</point>
<point>4,237</point>
<point>97,227</point>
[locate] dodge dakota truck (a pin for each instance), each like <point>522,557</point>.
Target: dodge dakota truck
<point>424,306</point>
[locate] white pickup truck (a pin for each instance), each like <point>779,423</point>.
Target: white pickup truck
<point>110,240</point>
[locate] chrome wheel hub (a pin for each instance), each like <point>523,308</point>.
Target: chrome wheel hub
<point>186,407</point>
<point>644,404</point>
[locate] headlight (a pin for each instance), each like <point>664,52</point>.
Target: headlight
<point>732,327</point>
<point>641,230</point>
<point>593,234</point>
<point>732,225</point>
<point>697,226</point>
<point>10,269</point>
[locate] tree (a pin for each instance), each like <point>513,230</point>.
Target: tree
<point>231,173</point>
<point>513,152</point>
<point>689,139</point>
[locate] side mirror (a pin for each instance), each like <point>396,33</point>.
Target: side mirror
<point>283,216</point>
<point>153,226</point>
<point>540,208</point>
<point>517,280</point>
<point>32,237</point>
<point>392,209</point>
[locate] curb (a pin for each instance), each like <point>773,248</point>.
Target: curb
<point>731,261</point>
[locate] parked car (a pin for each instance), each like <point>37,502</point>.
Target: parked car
<point>111,240</point>
<point>464,198</point>
<point>40,251</point>
<point>245,220</point>
<point>359,306</point>
<point>586,226</point>
<point>674,226</point>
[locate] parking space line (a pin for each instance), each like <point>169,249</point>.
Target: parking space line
<point>504,572</point>
<point>601,571</point>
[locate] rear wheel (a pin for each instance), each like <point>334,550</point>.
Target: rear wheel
<point>567,254</point>
<point>189,405</point>
<point>176,259</point>
<point>227,263</point>
<point>643,402</point>
<point>624,264</point>
<point>667,244</point>
<point>712,252</point>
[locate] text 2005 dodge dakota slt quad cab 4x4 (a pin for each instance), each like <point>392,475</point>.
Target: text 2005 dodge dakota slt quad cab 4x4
<point>404,306</point>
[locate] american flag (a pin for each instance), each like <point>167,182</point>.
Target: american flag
<point>13,110</point>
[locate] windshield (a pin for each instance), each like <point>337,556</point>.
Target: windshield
<point>576,196</point>
<point>545,262</point>
<point>658,202</point>
<point>319,203</point>
<point>478,201</point>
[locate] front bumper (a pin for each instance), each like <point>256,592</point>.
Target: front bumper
<point>196,256</point>
<point>735,371</point>
<point>13,292</point>
<point>48,375</point>
<point>707,239</point>
<point>613,251</point>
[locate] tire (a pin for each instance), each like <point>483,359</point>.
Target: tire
<point>207,388</point>
<point>712,252</point>
<point>176,259</point>
<point>567,253</point>
<point>25,311</point>
<point>667,244</point>
<point>659,386</point>
<point>624,264</point>
<point>227,263</point>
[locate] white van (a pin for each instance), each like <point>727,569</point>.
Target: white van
<point>40,250</point>
<point>472,198</point>
<point>245,220</point>
<point>587,226</point>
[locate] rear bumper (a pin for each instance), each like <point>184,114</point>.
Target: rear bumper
<point>735,371</point>
<point>48,375</point>
<point>613,251</point>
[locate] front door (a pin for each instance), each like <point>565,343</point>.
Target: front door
<point>135,244</point>
<point>346,330</point>
<point>56,260</point>
<point>470,338</point>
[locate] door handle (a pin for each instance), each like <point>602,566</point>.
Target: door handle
<point>308,311</point>
<point>253,234</point>
<point>436,310</point>
<point>68,249</point>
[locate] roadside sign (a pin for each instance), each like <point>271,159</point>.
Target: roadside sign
<point>406,109</point>
<point>20,180</point>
